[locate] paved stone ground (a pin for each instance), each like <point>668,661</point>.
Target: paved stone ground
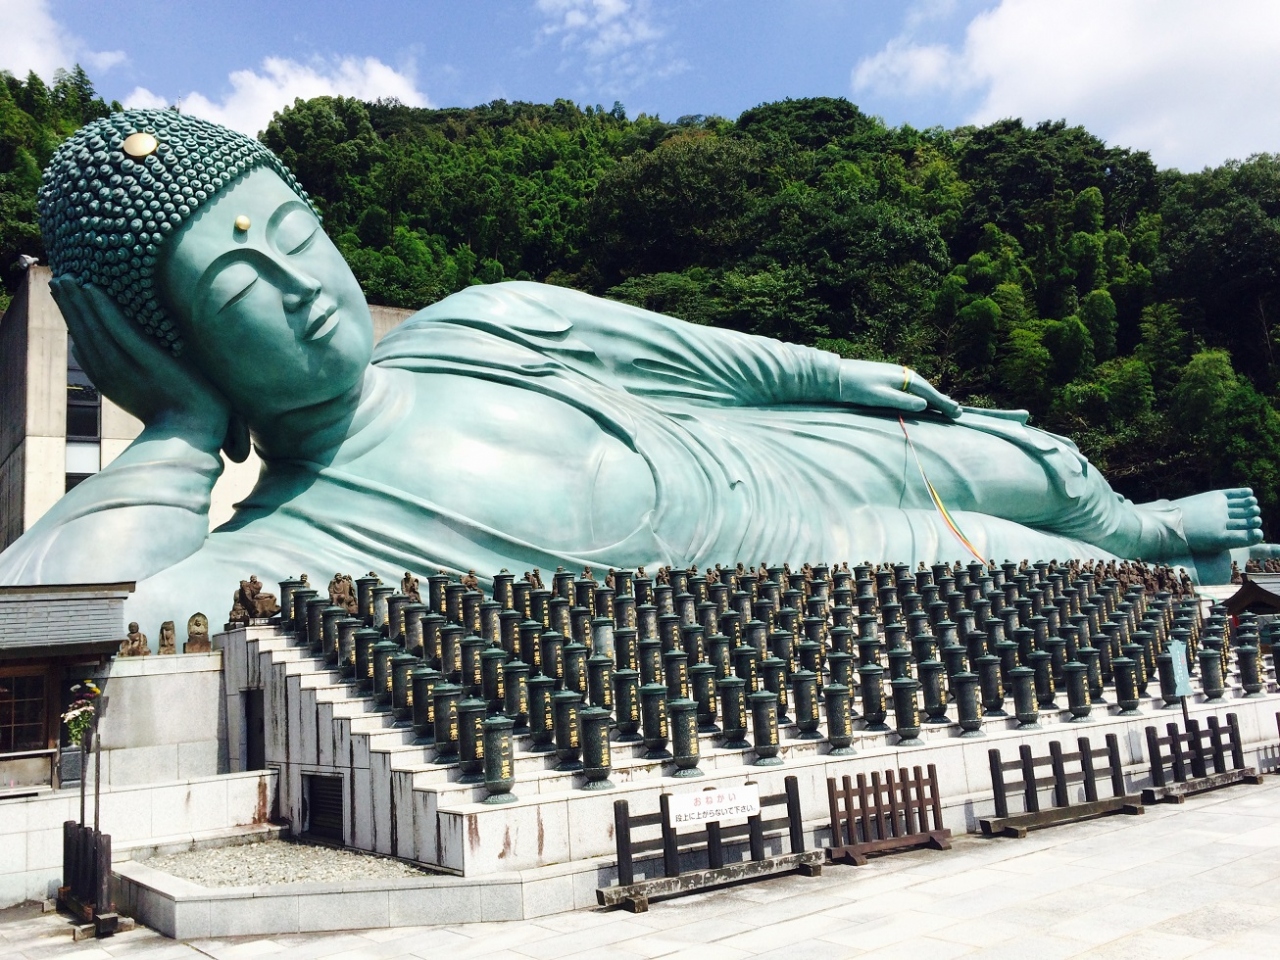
<point>1182,881</point>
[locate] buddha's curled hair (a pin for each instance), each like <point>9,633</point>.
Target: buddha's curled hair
<point>105,214</point>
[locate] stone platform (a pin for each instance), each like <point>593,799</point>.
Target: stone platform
<point>548,851</point>
<point>1193,880</point>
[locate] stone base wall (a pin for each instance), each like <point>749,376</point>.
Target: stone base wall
<point>165,719</point>
<point>141,816</point>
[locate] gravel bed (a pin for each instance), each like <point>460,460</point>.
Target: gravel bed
<point>279,861</point>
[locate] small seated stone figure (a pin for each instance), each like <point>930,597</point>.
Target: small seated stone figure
<point>409,587</point>
<point>342,593</point>
<point>508,424</point>
<point>259,604</point>
<point>168,641</point>
<point>471,581</point>
<point>135,644</point>
<point>197,634</point>
<point>239,616</point>
<point>535,578</point>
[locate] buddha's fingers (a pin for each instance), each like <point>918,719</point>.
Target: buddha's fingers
<point>96,348</point>
<point>933,397</point>
<point>1019,416</point>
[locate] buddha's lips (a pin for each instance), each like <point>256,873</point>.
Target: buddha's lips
<point>322,324</point>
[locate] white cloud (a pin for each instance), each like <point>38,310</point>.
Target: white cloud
<point>617,44</point>
<point>255,95</point>
<point>1192,82</point>
<point>32,39</point>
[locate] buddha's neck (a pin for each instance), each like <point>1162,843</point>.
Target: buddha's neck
<point>319,433</point>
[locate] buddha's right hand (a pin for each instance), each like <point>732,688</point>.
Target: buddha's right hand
<point>135,371</point>
<point>892,387</point>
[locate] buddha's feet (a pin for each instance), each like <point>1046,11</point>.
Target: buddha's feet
<point>1221,520</point>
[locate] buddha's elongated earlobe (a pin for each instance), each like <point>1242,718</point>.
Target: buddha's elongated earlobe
<point>236,444</point>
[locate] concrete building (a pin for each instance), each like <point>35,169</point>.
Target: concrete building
<point>55,428</point>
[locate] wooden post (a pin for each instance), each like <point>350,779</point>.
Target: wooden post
<point>1060,793</point>
<point>102,877</point>
<point>1215,746</point>
<point>1117,768</point>
<point>1153,748</point>
<point>794,821</point>
<point>1237,742</point>
<point>910,801</point>
<point>622,838</point>
<point>997,780</point>
<point>877,797</point>
<point>833,804</point>
<point>1175,747</point>
<point>936,796</point>
<point>670,849</point>
<point>864,811</point>
<point>755,834</point>
<point>68,853</point>
<point>1086,768</point>
<point>895,809</point>
<point>715,849</point>
<point>1029,779</point>
<point>1195,746</point>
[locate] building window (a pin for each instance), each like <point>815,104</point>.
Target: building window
<point>84,406</point>
<point>22,714</point>
<point>84,422</point>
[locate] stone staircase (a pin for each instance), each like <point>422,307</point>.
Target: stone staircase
<point>400,802</point>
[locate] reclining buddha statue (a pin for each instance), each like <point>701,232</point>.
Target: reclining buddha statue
<point>512,425</point>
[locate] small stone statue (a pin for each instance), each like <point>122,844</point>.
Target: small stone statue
<point>168,642</point>
<point>259,604</point>
<point>342,592</point>
<point>471,581</point>
<point>239,616</point>
<point>409,587</point>
<point>197,635</point>
<point>135,644</point>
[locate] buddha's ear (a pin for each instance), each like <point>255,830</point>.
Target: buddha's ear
<point>236,444</point>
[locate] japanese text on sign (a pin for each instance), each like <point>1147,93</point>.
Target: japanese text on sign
<point>1181,674</point>
<point>722,803</point>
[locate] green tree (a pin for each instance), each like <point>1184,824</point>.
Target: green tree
<point>1071,347</point>
<point>1025,367</point>
<point>1098,314</point>
<point>1163,345</point>
<point>1206,386</point>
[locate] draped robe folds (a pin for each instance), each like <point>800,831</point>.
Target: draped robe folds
<point>755,452</point>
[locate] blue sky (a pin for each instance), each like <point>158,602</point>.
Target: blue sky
<point>1191,81</point>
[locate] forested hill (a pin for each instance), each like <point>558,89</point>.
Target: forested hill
<point>1127,307</point>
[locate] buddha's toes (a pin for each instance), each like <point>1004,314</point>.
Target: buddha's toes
<point>1221,520</point>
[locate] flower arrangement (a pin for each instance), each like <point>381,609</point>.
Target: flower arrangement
<point>80,715</point>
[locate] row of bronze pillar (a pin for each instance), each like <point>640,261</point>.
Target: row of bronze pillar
<point>576,666</point>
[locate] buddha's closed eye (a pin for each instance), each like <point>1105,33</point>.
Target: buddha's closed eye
<point>296,230</point>
<point>232,285</point>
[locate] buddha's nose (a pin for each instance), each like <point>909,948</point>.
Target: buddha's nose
<point>299,290</point>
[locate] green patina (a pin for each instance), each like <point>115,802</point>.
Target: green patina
<point>106,215</point>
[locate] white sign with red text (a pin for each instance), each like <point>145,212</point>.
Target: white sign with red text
<point>687,810</point>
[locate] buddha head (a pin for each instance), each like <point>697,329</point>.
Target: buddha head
<point>204,238</point>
